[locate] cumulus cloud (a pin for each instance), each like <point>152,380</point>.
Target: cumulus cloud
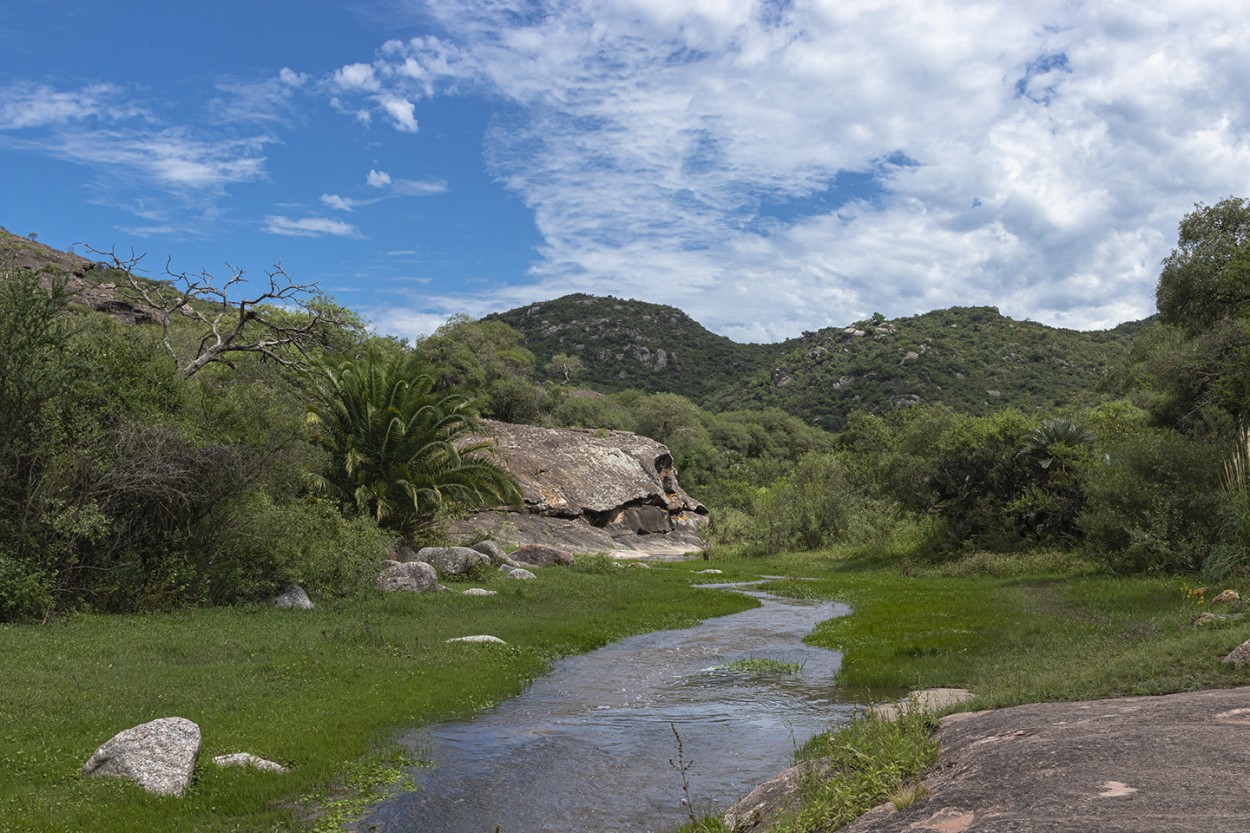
<point>309,227</point>
<point>378,179</point>
<point>1033,156</point>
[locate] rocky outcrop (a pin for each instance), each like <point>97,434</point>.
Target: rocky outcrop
<point>589,491</point>
<point>87,282</point>
<point>159,756</point>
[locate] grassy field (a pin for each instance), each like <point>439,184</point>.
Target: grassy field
<point>321,690</point>
<point>316,690</point>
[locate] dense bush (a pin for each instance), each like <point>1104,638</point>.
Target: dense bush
<point>1153,503</point>
<point>124,486</point>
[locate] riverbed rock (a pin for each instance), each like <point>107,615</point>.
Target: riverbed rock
<point>590,491</point>
<point>249,760</point>
<point>293,596</point>
<point>159,756</point>
<point>541,555</point>
<point>408,576</point>
<point>453,561</point>
<point>481,638</point>
<point>769,801</point>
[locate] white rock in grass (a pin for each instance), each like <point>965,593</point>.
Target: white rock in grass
<point>482,637</point>
<point>159,756</point>
<point>293,596</point>
<point>477,591</point>
<point>521,574</point>
<point>248,759</point>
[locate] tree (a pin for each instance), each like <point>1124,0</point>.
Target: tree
<point>402,450</point>
<point>565,366</point>
<point>1204,293</point>
<point>263,323</point>
<point>1207,275</point>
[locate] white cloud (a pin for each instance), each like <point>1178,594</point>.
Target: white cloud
<point>171,158</point>
<point>356,77</point>
<point>1033,156</point>
<point>378,179</point>
<point>417,188</point>
<point>25,105</point>
<point>309,227</point>
<point>401,111</point>
<point>268,100</point>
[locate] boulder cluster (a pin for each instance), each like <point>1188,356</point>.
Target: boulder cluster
<point>161,755</point>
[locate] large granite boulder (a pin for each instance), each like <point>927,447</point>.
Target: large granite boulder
<point>591,491</point>
<point>159,756</point>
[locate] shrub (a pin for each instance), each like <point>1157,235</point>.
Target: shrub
<point>1152,503</point>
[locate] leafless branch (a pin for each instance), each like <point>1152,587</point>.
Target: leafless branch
<point>255,324</point>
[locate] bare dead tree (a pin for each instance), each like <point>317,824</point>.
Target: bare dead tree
<point>280,323</point>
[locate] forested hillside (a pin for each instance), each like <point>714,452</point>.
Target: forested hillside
<point>622,344</point>
<point>971,359</point>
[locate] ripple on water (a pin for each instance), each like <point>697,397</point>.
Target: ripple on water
<point>590,746</point>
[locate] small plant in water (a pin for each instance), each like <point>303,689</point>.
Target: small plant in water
<point>682,766</point>
<point>762,666</point>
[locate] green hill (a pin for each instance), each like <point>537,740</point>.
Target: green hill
<point>972,359</point>
<point>626,344</point>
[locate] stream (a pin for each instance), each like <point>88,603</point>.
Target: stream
<point>591,745</point>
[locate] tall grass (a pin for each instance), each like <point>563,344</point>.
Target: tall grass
<point>1232,555</point>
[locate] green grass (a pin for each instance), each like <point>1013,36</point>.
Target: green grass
<point>761,667</point>
<point>320,691</point>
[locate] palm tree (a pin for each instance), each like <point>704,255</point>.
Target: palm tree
<point>402,451</point>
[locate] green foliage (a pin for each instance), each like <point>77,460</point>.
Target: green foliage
<point>611,344</point>
<point>1151,501</point>
<point>402,451</point>
<point>1207,276</point>
<point>472,354</point>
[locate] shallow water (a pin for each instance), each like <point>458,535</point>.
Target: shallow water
<point>590,746</point>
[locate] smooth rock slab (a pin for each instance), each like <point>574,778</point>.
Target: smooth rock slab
<point>159,756</point>
<point>248,759</point>
<point>479,638</point>
<point>1171,764</point>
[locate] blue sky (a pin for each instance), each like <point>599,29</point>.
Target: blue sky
<point>769,166</point>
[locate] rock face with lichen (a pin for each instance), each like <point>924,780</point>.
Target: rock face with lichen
<point>589,491</point>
